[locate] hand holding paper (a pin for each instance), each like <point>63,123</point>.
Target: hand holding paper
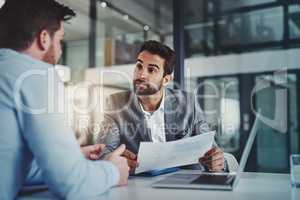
<point>153,156</point>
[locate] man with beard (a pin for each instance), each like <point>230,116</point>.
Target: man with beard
<point>36,145</point>
<point>153,112</point>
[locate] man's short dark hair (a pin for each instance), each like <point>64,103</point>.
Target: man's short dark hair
<point>22,20</point>
<point>163,51</point>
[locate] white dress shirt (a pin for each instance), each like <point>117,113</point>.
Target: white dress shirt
<point>156,122</point>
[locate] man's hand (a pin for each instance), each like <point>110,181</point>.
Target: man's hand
<point>131,159</point>
<point>213,160</point>
<point>121,163</point>
<point>93,152</point>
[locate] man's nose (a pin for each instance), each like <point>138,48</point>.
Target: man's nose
<point>143,74</point>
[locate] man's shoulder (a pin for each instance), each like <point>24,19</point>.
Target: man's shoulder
<point>181,100</point>
<point>178,94</point>
<point>17,59</point>
<point>17,66</point>
<point>120,99</point>
<point>124,95</point>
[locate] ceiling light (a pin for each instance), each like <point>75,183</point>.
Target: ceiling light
<point>2,2</point>
<point>146,28</point>
<point>103,4</point>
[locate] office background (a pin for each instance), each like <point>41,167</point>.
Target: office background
<point>226,49</point>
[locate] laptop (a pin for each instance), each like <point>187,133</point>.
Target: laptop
<point>206,180</point>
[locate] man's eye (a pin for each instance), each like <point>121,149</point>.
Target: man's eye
<point>151,70</point>
<point>139,66</point>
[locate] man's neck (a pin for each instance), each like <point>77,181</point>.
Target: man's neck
<point>33,52</point>
<point>152,102</point>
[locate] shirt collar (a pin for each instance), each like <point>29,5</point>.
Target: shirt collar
<point>161,107</point>
<point>4,52</point>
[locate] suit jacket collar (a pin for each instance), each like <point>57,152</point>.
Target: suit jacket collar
<point>170,115</point>
<point>144,132</point>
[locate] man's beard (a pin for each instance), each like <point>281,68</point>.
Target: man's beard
<point>149,88</point>
<point>50,56</point>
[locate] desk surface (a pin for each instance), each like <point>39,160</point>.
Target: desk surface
<point>251,186</point>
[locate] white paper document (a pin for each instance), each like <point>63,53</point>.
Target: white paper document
<point>154,156</point>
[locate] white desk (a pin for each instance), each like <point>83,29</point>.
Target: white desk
<point>252,186</point>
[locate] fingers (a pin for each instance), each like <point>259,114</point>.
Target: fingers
<point>131,160</point>
<point>128,154</point>
<point>99,147</point>
<point>213,160</point>
<point>213,154</point>
<point>94,156</point>
<point>216,168</point>
<point>119,151</point>
<point>213,151</point>
<point>93,152</point>
<point>132,164</point>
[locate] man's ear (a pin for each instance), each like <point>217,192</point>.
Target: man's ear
<point>44,40</point>
<point>167,79</point>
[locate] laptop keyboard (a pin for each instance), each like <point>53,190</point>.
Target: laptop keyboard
<point>214,179</point>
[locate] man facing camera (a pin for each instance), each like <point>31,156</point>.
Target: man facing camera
<point>32,129</point>
<point>153,112</point>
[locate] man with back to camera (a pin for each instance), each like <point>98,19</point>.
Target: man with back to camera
<point>31,128</point>
<point>153,112</point>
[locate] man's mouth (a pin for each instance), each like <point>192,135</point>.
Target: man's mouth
<point>140,82</point>
<point>141,86</point>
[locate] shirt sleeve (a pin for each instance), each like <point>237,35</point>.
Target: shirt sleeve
<point>201,126</point>
<point>52,142</point>
<point>109,135</point>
